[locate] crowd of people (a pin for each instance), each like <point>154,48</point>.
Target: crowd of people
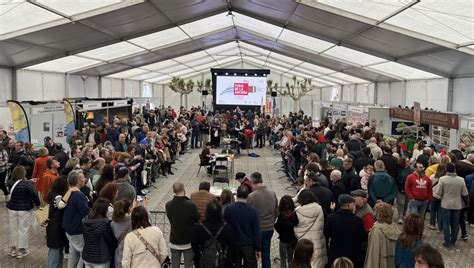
<point>361,198</point>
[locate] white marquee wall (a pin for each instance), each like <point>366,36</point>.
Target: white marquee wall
<point>432,93</point>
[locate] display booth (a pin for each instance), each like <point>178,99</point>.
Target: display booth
<point>443,128</point>
<point>100,111</point>
<point>466,132</point>
<point>149,103</point>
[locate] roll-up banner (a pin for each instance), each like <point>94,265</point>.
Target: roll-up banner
<point>19,121</point>
<point>70,119</point>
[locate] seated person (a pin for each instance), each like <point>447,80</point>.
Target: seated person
<point>206,157</point>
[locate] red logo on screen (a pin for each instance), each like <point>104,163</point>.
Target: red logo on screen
<point>241,88</point>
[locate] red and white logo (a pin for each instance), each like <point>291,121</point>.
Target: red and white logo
<point>241,89</point>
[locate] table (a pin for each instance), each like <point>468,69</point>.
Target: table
<point>217,190</point>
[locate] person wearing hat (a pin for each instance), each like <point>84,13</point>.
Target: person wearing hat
<point>363,210</point>
<point>345,233</point>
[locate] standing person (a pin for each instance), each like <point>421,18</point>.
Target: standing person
<point>409,239</point>
<point>23,198</point>
<point>125,188</point>
<point>241,177</point>
<point>304,252</point>
<point>427,257</point>
<point>212,227</point>
<point>61,155</point>
<point>418,190</point>
<point>363,210</point>
<point>227,198</point>
<point>389,161</point>
<point>435,207</point>
<point>452,191</point>
<point>246,230</point>
<point>49,177</point>
<point>99,240</point>
<point>266,203</point>
<point>27,160</point>
<point>345,233</point>
<point>146,245</point>
<point>337,185</point>
<point>284,226</point>
<point>382,239</point>
<point>382,187</point>
<point>121,225</point>
<point>404,170</point>
<point>350,176</point>
<point>3,170</point>
<point>77,208</point>
<point>39,168</point>
<point>321,193</point>
<point>182,214</point>
<point>311,225</point>
<point>55,235</point>
<point>202,198</point>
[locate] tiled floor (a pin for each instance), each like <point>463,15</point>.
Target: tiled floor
<point>187,173</point>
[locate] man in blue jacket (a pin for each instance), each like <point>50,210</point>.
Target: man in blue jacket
<point>246,229</point>
<point>75,210</point>
<point>381,185</point>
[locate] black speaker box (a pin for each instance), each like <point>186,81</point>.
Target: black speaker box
<point>205,93</point>
<point>274,93</point>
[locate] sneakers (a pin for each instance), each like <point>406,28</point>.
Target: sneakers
<point>22,252</point>
<point>464,237</point>
<point>446,246</point>
<point>400,221</point>
<point>66,256</point>
<point>12,252</point>
<point>432,227</point>
<point>471,225</point>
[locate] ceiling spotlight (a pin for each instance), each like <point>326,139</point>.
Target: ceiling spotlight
<point>235,74</point>
<point>226,73</point>
<point>215,73</point>
<point>229,13</point>
<point>255,74</point>
<point>264,74</point>
<point>246,74</point>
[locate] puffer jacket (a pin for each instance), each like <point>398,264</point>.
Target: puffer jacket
<point>311,226</point>
<point>99,241</point>
<point>23,197</point>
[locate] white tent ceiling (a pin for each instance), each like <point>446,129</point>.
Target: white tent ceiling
<point>336,42</point>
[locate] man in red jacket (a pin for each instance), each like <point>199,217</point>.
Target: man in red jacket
<point>419,190</point>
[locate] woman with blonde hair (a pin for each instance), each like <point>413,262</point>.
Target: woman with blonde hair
<point>435,206</point>
<point>337,161</point>
<point>431,169</point>
<point>342,262</point>
<point>382,238</point>
<point>71,164</point>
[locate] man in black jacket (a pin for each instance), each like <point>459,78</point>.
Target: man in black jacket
<point>363,160</point>
<point>423,158</point>
<point>389,161</point>
<point>349,176</point>
<point>323,194</point>
<point>182,214</point>
<point>345,233</point>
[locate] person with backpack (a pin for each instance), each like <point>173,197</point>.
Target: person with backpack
<point>284,226</point>
<point>212,239</point>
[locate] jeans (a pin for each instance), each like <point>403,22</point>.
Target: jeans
<point>55,257</point>
<point>97,265</point>
<point>259,139</point>
<point>402,204</point>
<point>450,220</point>
<point>176,258</point>
<point>266,244</point>
<point>247,254</point>
<point>194,139</point>
<point>462,222</point>
<point>76,244</point>
<point>3,176</point>
<point>286,254</point>
<point>19,228</point>
<point>418,207</point>
<point>435,213</point>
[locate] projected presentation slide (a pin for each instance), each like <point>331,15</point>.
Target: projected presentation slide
<point>240,90</point>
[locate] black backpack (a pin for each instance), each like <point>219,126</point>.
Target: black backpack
<point>213,254</point>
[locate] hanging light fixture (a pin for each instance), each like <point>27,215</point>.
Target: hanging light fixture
<point>229,13</point>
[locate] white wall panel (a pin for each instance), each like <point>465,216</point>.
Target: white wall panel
<point>29,85</point>
<point>111,88</point>
<point>397,93</point>
<point>365,93</point>
<point>132,88</point>
<point>463,95</point>
<point>348,93</point>
<point>54,86</point>
<point>383,94</point>
<point>5,85</point>
<point>429,93</point>
<point>83,86</point>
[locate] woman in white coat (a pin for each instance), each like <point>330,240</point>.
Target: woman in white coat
<point>311,226</point>
<point>145,246</point>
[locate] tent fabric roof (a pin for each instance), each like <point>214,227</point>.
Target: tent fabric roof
<point>336,42</point>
